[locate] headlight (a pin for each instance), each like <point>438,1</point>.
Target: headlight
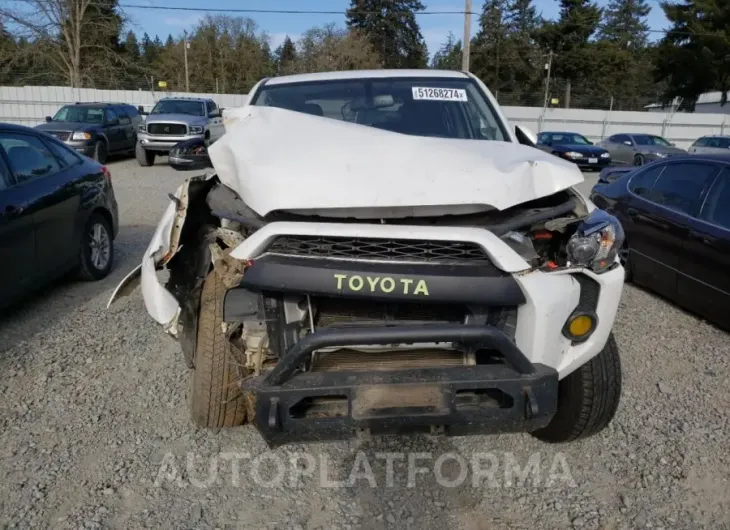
<point>596,242</point>
<point>142,127</point>
<point>573,154</point>
<point>80,135</point>
<point>196,129</point>
<point>606,155</point>
<point>660,155</point>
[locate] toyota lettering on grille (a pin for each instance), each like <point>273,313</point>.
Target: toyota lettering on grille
<point>381,284</point>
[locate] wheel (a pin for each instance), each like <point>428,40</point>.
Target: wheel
<point>639,160</point>
<point>215,401</point>
<point>587,398</point>
<point>97,249</point>
<point>144,157</point>
<point>623,256</point>
<point>100,152</point>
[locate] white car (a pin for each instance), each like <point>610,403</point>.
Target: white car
<point>379,252</point>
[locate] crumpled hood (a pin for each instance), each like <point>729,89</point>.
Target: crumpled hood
<point>277,159</point>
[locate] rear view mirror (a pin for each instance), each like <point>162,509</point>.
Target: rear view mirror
<point>525,136</point>
<point>189,155</point>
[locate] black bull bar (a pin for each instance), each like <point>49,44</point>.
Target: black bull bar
<point>517,396</point>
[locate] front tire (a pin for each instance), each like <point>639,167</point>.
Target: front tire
<point>639,160</point>
<point>96,254</point>
<point>216,400</point>
<point>100,152</point>
<point>144,157</point>
<point>587,398</point>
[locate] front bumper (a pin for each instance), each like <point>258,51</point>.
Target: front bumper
<point>85,147</point>
<point>482,399</point>
<point>163,143</point>
<point>588,162</point>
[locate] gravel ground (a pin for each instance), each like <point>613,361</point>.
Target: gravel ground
<point>94,431</point>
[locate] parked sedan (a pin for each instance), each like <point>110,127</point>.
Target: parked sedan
<point>676,219</point>
<point>57,213</point>
<point>709,145</point>
<point>574,147</point>
<point>638,149</point>
<point>96,129</point>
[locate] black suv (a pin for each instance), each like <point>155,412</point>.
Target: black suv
<point>96,129</point>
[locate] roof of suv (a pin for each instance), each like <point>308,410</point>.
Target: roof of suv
<point>99,104</point>
<point>362,74</point>
<point>200,100</point>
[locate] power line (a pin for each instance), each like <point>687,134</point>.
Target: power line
<point>358,12</point>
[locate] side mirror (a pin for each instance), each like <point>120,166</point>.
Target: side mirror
<point>672,144</point>
<point>525,136</point>
<point>141,110</point>
<point>548,143</point>
<point>189,155</point>
<point>49,119</point>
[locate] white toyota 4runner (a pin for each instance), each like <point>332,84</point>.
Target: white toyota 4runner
<point>380,252</point>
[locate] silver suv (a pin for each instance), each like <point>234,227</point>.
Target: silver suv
<point>173,120</point>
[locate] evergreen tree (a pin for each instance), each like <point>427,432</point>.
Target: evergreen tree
<point>285,55</point>
<point>524,53</point>
<point>489,45</point>
<point>392,29</point>
<point>625,23</point>
<point>448,57</point>
<point>693,57</point>
<point>570,39</point>
<point>131,47</point>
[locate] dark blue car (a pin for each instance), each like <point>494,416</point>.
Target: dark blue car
<point>575,148</point>
<point>676,217</point>
<point>58,213</point>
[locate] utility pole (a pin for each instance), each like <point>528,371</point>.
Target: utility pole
<point>185,52</point>
<point>466,45</point>
<point>549,68</point>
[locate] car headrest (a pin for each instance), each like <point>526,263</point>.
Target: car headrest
<point>312,108</point>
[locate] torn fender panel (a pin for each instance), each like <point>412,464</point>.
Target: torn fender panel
<point>166,241</point>
<point>126,286</point>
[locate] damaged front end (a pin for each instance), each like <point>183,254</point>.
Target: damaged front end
<point>467,334</point>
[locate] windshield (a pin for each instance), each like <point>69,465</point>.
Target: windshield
<point>647,139</point>
<point>172,106</point>
<point>568,139</point>
<point>77,114</point>
<point>436,107</point>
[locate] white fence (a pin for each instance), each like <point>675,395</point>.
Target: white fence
<point>30,105</point>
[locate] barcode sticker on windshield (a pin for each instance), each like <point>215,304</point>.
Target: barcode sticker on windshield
<point>439,94</point>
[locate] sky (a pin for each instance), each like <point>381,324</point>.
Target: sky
<point>435,28</point>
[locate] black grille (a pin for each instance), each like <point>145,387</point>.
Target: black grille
<point>378,249</point>
<point>167,128</point>
<point>61,135</point>
<point>332,312</point>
